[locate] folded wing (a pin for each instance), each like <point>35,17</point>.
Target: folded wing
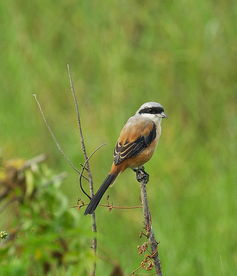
<point>136,135</point>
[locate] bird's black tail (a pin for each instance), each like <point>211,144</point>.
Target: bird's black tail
<point>97,197</point>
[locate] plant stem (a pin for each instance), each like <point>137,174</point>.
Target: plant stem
<point>94,227</point>
<point>147,221</point>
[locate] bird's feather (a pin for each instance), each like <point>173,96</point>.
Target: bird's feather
<point>134,137</point>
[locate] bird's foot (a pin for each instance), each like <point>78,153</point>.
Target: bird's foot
<point>141,175</point>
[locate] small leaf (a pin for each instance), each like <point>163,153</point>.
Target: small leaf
<point>29,182</point>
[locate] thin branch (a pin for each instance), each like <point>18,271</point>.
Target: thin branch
<point>135,270</point>
<point>55,139</point>
<point>78,116</point>
<point>84,167</point>
<point>143,178</point>
<point>94,227</point>
<point>110,206</point>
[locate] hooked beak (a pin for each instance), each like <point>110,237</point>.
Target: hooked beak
<point>163,115</point>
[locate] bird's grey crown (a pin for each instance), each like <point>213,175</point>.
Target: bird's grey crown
<point>150,105</point>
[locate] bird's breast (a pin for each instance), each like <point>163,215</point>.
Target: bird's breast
<point>144,156</point>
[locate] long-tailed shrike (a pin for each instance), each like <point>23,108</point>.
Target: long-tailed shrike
<point>135,146</point>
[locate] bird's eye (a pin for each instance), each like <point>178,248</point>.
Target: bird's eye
<point>152,110</point>
<point>161,110</point>
<point>156,110</point>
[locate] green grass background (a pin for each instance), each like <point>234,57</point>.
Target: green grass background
<point>122,54</point>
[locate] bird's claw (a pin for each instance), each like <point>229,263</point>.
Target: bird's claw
<point>142,176</point>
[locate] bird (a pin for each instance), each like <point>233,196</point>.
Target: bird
<point>135,146</point>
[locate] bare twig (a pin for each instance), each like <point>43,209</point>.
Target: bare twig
<point>94,227</point>
<point>135,270</point>
<point>54,137</point>
<point>143,178</point>
<point>110,206</point>
<point>84,167</point>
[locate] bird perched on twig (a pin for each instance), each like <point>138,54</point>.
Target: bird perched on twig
<point>135,146</point>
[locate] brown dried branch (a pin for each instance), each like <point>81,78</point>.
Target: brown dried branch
<point>143,178</point>
<point>135,270</point>
<point>94,227</point>
<point>109,206</point>
<point>84,167</point>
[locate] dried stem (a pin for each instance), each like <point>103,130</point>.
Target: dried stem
<point>143,178</point>
<point>54,137</point>
<point>110,206</point>
<point>84,167</point>
<point>94,227</point>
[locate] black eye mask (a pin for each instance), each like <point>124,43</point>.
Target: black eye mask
<point>152,110</point>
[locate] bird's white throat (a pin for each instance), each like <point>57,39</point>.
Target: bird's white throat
<point>154,117</point>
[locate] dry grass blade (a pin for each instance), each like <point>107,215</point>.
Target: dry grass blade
<point>54,138</point>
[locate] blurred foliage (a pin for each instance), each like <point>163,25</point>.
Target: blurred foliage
<point>122,54</point>
<point>3,235</point>
<point>45,235</point>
